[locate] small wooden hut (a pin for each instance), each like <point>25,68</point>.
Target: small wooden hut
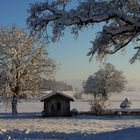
<point>56,104</point>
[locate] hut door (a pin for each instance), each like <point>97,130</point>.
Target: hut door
<point>58,106</point>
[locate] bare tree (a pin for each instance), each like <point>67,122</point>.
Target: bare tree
<point>120,21</point>
<point>23,63</point>
<point>103,83</point>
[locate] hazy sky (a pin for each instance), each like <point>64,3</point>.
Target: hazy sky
<point>69,53</point>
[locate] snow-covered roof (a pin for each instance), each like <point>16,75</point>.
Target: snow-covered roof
<point>54,93</point>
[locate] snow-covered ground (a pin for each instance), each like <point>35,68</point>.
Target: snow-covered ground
<point>73,128</point>
<point>30,125</point>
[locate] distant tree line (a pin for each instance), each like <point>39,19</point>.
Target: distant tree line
<point>52,84</point>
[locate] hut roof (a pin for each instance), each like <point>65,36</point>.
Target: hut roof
<point>56,93</point>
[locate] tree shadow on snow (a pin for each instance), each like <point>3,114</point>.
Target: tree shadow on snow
<point>108,117</point>
<point>123,134</point>
<point>23,115</point>
<point>38,115</point>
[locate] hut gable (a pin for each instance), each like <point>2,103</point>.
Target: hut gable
<point>56,104</point>
<point>57,93</point>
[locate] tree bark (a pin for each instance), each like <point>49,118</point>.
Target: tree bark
<point>14,105</point>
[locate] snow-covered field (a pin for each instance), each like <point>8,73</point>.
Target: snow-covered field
<point>30,125</point>
<point>77,128</point>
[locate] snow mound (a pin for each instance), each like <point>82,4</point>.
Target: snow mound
<point>128,133</point>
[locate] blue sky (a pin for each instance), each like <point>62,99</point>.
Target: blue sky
<point>69,53</point>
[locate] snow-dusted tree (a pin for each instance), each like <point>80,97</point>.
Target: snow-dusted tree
<point>103,83</point>
<point>23,63</point>
<point>119,19</point>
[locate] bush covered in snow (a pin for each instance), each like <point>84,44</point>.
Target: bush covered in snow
<point>125,103</point>
<point>98,106</point>
<point>75,112</point>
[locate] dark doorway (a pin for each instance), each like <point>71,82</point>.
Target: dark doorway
<point>58,106</point>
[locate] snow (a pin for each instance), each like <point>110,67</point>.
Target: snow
<point>30,125</point>
<point>73,128</point>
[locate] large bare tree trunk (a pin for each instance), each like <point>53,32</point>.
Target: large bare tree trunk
<point>14,105</point>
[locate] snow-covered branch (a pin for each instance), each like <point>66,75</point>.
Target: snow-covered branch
<point>118,17</point>
<point>136,56</point>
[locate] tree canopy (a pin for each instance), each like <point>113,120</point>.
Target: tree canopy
<point>120,21</point>
<point>104,82</point>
